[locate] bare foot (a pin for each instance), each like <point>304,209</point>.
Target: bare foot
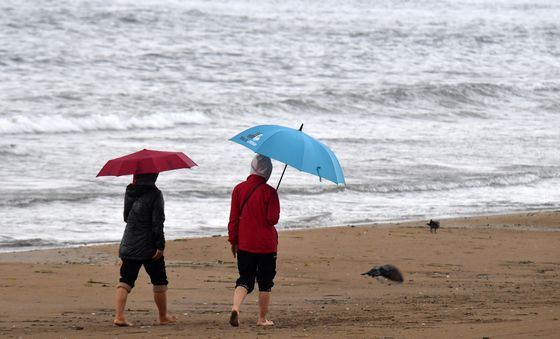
<point>121,323</point>
<point>234,319</point>
<point>169,319</point>
<point>265,323</point>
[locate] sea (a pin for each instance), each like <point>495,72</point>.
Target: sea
<point>434,108</point>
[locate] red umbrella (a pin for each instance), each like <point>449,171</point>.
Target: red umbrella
<point>146,161</point>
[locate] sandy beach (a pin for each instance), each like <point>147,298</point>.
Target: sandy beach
<point>489,276</point>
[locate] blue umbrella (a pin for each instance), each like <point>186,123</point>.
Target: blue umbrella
<point>292,147</point>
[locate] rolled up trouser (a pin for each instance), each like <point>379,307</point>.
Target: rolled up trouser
<point>259,266</point>
<point>155,269</point>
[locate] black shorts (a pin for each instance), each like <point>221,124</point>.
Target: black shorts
<point>259,266</point>
<point>154,268</point>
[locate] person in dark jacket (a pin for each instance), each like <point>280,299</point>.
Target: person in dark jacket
<point>142,244</point>
<point>255,209</point>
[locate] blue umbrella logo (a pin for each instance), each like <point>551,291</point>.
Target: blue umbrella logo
<point>252,138</point>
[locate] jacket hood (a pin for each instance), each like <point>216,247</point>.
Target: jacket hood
<point>146,178</point>
<point>136,190</point>
<point>261,166</point>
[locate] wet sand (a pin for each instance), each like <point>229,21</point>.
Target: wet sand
<point>488,276</point>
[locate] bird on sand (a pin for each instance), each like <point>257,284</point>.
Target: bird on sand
<point>388,271</point>
<point>434,225</point>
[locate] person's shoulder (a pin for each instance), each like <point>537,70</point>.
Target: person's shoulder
<point>240,185</point>
<point>269,189</point>
<point>154,191</point>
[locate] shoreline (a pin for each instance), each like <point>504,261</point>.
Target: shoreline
<point>456,221</point>
<point>477,276</point>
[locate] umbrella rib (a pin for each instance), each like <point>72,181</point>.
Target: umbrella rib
<point>334,164</point>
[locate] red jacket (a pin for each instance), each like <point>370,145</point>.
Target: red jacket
<point>254,230</point>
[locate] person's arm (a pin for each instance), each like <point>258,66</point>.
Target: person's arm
<point>273,208</point>
<point>233,225</point>
<point>158,218</point>
<point>127,206</point>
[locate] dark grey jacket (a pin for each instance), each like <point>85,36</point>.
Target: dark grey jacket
<point>144,216</point>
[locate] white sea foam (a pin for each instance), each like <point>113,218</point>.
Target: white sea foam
<point>433,108</point>
<point>57,123</point>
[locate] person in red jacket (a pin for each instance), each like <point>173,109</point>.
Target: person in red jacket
<point>255,209</point>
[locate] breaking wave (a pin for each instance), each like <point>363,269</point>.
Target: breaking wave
<point>34,242</point>
<point>449,95</point>
<point>13,150</point>
<point>494,181</point>
<point>51,124</point>
<point>28,198</point>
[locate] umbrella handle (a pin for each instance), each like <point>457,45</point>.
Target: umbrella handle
<point>319,174</point>
<point>279,181</point>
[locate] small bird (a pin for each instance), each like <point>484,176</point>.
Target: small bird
<point>434,225</point>
<point>388,271</point>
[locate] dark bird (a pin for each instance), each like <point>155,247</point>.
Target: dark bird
<point>434,225</point>
<point>388,271</point>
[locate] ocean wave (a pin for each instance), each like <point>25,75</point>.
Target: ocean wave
<point>426,100</point>
<point>307,104</point>
<point>547,88</point>
<point>225,192</point>
<point>493,181</point>
<point>447,95</point>
<point>52,124</point>
<point>312,190</point>
<point>9,242</point>
<point>13,150</point>
<point>306,221</point>
<point>28,198</point>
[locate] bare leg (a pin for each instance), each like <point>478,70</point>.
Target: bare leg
<point>120,303</point>
<point>238,297</point>
<point>161,302</point>
<point>264,301</point>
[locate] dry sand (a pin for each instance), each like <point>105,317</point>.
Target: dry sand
<point>496,277</point>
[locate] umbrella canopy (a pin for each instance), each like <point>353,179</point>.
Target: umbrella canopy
<point>146,161</point>
<point>292,147</point>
